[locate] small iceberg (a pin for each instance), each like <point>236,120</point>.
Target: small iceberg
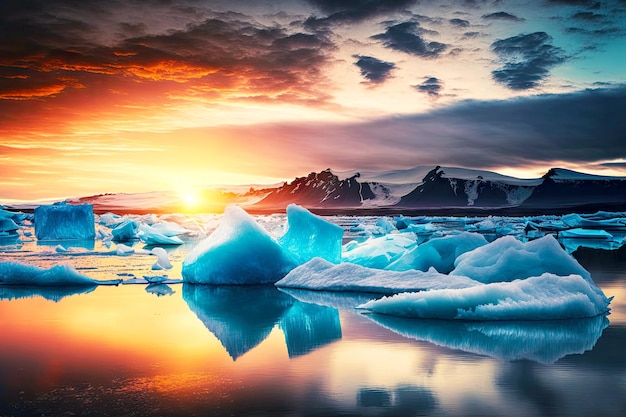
<point>580,233</point>
<point>13,273</point>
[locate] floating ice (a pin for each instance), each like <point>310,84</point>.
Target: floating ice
<point>110,219</point>
<point>378,252</point>
<point>318,274</point>
<point>151,236</point>
<point>239,251</point>
<point>126,230</point>
<point>163,259</point>
<point>507,259</point>
<point>8,226</point>
<point>122,249</point>
<point>12,273</point>
<point>63,221</point>
<point>579,233</point>
<point>546,297</point>
<point>576,220</point>
<point>439,253</point>
<point>310,236</point>
<point>539,341</point>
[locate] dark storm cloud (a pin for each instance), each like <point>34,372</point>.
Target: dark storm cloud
<point>461,23</point>
<point>471,35</point>
<point>527,59</point>
<point>353,11</point>
<point>431,86</point>
<point>582,127</point>
<point>67,47</point>
<point>407,37</point>
<point>588,16</point>
<point>374,70</point>
<point>502,16</point>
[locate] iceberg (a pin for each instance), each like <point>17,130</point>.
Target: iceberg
<point>546,297</point>
<point>378,252</point>
<point>579,233</point>
<point>539,341</point>
<point>151,236</point>
<point>239,251</point>
<point>321,275</point>
<point>309,236</point>
<point>13,273</point>
<point>126,230</point>
<point>63,221</point>
<point>507,259</point>
<point>163,259</point>
<point>439,253</point>
<point>8,227</point>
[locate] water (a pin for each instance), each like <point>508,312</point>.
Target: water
<point>258,351</point>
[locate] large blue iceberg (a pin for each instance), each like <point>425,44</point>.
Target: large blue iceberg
<point>310,236</point>
<point>239,251</point>
<point>63,221</point>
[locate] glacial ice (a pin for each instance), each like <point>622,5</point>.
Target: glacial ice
<point>507,259</point>
<point>13,273</point>
<point>318,274</point>
<point>310,236</point>
<point>63,221</point>
<point>152,236</point>
<point>163,259</point>
<point>579,233</point>
<point>544,297</point>
<point>439,253</point>
<point>239,251</point>
<point>378,252</point>
<point>124,231</point>
<point>8,226</point>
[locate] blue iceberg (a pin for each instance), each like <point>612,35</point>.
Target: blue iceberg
<point>379,252</point>
<point>546,297</point>
<point>124,231</point>
<point>13,273</point>
<point>239,251</point>
<point>63,221</point>
<point>309,236</point>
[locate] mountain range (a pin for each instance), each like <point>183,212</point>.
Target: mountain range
<point>421,189</point>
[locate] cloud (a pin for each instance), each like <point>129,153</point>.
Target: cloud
<point>502,16</point>
<point>353,11</point>
<point>407,37</point>
<point>431,86</point>
<point>588,16</point>
<point>461,23</point>
<point>374,70</point>
<point>527,60</point>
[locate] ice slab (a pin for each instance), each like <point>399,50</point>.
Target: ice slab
<point>439,253</point>
<point>63,221</point>
<point>546,297</point>
<point>310,236</point>
<point>378,252</point>
<point>8,226</point>
<point>539,341</point>
<point>13,273</point>
<point>163,259</point>
<point>579,233</point>
<point>152,236</point>
<point>507,259</point>
<point>239,251</point>
<point>126,230</point>
<point>321,275</point>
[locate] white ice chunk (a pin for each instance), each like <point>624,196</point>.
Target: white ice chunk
<point>379,252</point>
<point>163,259</point>
<point>63,221</point>
<point>321,275</point>
<point>110,219</point>
<point>122,249</point>
<point>151,236</point>
<point>239,251</point>
<point>439,253</point>
<point>60,248</point>
<point>546,297</point>
<point>13,273</point>
<point>310,236</point>
<point>506,259</point>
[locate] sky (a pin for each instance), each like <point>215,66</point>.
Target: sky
<point>145,95</point>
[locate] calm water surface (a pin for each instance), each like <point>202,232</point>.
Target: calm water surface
<point>257,351</point>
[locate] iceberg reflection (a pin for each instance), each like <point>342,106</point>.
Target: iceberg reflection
<point>539,341</point>
<point>308,327</point>
<point>56,294</point>
<point>239,316</point>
